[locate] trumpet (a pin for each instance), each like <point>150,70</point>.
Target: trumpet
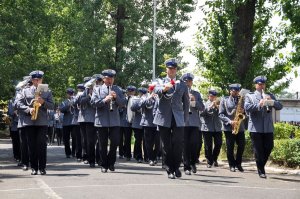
<point>265,97</point>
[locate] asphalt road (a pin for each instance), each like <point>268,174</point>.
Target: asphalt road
<point>67,178</point>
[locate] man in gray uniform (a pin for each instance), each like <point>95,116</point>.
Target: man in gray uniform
<point>227,111</point>
<point>211,127</point>
<point>259,106</point>
<point>107,98</point>
<point>171,117</point>
<point>36,129</point>
<point>67,108</point>
<point>191,130</point>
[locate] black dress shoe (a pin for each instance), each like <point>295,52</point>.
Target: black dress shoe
<point>111,168</point>
<point>152,163</point>
<point>208,165</point>
<point>232,169</point>
<point>34,172</point>
<point>140,161</point>
<point>240,168</point>
<point>178,173</point>
<point>92,165</point>
<point>78,160</point>
<point>194,168</point>
<point>67,156</point>
<point>85,162</point>
<point>128,159</point>
<point>103,170</point>
<point>171,176</point>
<point>25,168</point>
<point>187,172</point>
<point>43,172</point>
<point>216,164</point>
<point>262,175</point>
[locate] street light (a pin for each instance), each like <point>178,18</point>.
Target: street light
<point>154,39</point>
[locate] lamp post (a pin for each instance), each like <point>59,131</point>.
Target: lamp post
<point>154,39</point>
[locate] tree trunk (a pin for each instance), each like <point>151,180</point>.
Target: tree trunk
<point>243,37</point>
<point>119,35</point>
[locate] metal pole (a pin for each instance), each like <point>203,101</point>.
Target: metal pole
<point>154,39</point>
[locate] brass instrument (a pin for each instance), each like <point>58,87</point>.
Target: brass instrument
<point>36,105</point>
<point>5,117</point>
<point>239,112</point>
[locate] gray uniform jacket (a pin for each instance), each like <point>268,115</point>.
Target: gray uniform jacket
<point>147,105</point>
<point>104,117</point>
<point>12,115</point>
<point>66,107</point>
<point>227,112</point>
<point>23,104</point>
<point>123,117</point>
<point>194,118</point>
<point>137,117</point>
<point>210,121</point>
<point>76,110</point>
<point>260,120</point>
<point>21,114</point>
<point>86,110</point>
<point>174,102</point>
<point>50,118</point>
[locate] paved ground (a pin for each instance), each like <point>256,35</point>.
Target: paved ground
<point>68,179</point>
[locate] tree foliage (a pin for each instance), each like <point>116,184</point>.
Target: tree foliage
<point>237,43</point>
<point>72,39</point>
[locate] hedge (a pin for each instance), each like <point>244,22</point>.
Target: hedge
<point>286,152</point>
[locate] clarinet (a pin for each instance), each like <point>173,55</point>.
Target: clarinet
<point>111,102</point>
<point>264,96</point>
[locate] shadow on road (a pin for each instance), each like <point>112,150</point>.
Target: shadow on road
<point>285,179</point>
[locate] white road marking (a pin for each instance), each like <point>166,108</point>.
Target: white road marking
<point>49,190</point>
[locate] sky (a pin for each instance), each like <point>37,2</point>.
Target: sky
<point>188,40</point>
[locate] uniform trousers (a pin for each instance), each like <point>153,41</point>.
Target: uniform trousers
<point>37,140</point>
<point>231,139</point>
<point>172,140</point>
<point>108,158</point>
<point>66,137</point>
<point>78,142</point>
<point>24,147</point>
<point>152,142</point>
<point>191,141</point>
<point>125,142</point>
<point>15,138</point>
<point>92,138</point>
<point>138,143</point>
<point>212,145</point>
<point>83,139</point>
<point>262,144</point>
<point>200,141</point>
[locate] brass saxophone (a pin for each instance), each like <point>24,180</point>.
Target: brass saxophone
<point>239,112</point>
<point>36,105</point>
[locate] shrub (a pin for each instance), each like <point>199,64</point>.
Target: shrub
<point>286,152</point>
<point>283,130</point>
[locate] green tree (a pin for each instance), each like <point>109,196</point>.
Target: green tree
<point>237,43</point>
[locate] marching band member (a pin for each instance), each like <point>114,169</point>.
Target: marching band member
<point>125,126</point>
<point>151,135</point>
<point>36,128</point>
<point>137,128</point>
<point>191,130</point>
<point>211,127</point>
<point>260,124</point>
<point>23,134</point>
<point>171,116</point>
<point>108,98</point>
<point>67,108</point>
<point>227,111</point>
